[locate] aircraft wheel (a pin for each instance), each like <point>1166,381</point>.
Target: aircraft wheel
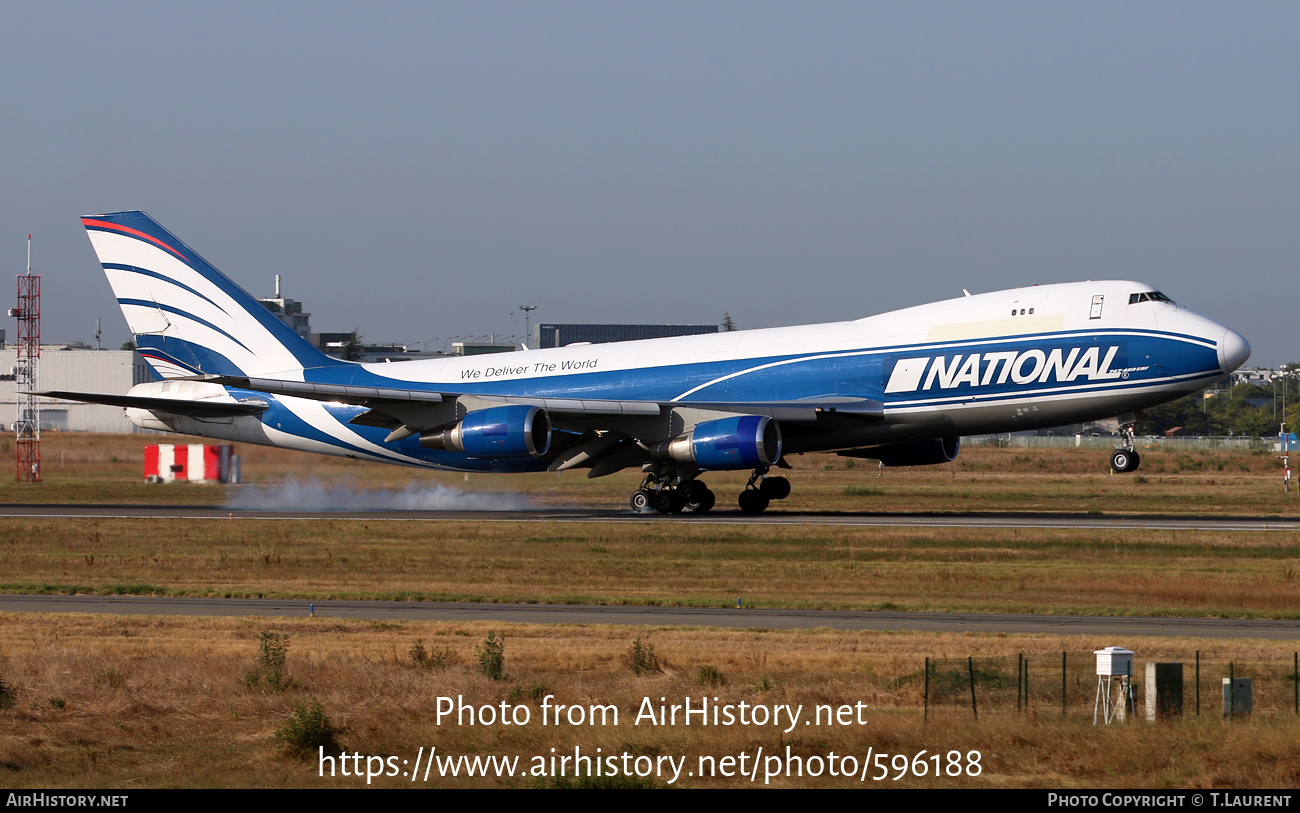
<point>1134,461</point>
<point>752,501</point>
<point>669,501</point>
<point>693,490</point>
<point>1124,460</point>
<point>775,488</point>
<point>640,499</point>
<point>702,503</point>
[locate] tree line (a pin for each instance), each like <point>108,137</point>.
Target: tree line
<point>1231,409</point>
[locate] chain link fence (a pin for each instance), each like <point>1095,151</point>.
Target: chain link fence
<point>1046,684</point>
<point>1112,441</point>
<point>1275,683</point>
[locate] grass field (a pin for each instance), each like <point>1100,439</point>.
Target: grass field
<point>132,702</point>
<point>126,702</point>
<point>948,569</point>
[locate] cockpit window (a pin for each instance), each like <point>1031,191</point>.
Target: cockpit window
<point>1148,296</point>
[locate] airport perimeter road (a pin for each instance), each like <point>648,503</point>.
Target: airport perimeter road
<point>660,616</point>
<point>917,520</point>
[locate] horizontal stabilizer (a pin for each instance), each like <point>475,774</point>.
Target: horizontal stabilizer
<point>343,393</point>
<point>208,408</point>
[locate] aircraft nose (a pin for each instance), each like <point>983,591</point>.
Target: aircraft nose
<point>1233,351</point>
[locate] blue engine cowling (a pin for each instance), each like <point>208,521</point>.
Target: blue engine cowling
<point>742,442</point>
<point>912,453</point>
<point>506,431</point>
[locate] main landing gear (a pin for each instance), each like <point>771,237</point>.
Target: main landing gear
<point>1125,460</point>
<point>667,497</point>
<point>668,493</point>
<point>755,498</point>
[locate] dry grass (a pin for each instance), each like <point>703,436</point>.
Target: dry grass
<point>1126,572</point>
<point>129,702</point>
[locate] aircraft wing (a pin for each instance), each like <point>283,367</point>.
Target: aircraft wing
<point>377,398</point>
<point>866,409</point>
<point>198,408</point>
<point>338,393</point>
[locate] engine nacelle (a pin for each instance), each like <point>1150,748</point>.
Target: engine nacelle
<point>742,442</point>
<point>505,431</point>
<point>912,453</point>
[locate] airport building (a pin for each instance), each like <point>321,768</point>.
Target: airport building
<point>482,348</point>
<point>289,311</point>
<point>553,335</point>
<point>77,370</point>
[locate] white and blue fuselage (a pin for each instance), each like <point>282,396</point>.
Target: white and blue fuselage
<point>960,367</point>
<point>1026,358</point>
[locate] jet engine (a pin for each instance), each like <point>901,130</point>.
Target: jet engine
<point>912,453</point>
<point>505,431</point>
<point>742,442</point>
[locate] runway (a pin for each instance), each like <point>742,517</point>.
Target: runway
<point>882,520</point>
<point>661,616</point>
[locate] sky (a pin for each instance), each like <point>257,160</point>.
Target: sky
<point>417,171</point>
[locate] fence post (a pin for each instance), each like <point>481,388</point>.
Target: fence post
<point>970,664</point>
<point>927,688</point>
<point>1130,697</point>
<point>1232,701</point>
<point>1062,682</point>
<point>1026,684</point>
<point>1198,683</point>
<point>1020,686</point>
<point>1295,679</point>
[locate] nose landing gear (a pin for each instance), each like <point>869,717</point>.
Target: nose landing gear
<point>1125,460</point>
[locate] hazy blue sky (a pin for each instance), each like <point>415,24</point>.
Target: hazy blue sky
<point>418,170</point>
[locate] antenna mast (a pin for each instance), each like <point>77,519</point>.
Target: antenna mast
<point>28,425</point>
<point>528,311</point>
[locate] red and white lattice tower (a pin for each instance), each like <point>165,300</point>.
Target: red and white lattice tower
<point>28,426</point>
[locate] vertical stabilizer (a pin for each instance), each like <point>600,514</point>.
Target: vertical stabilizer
<point>188,317</point>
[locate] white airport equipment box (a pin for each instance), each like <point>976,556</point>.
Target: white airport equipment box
<point>1114,661</point>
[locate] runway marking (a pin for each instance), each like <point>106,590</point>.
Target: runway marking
<point>994,521</point>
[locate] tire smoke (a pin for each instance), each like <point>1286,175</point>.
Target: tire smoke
<point>314,495</point>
